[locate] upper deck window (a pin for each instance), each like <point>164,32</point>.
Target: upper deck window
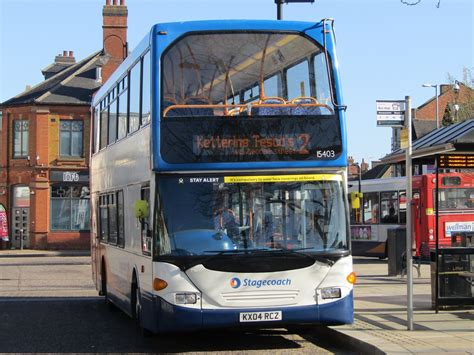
<point>246,96</point>
<point>271,74</point>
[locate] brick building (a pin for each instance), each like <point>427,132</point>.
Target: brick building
<point>454,105</point>
<point>447,98</point>
<point>44,151</point>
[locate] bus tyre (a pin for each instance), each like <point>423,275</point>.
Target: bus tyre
<point>137,311</point>
<point>104,289</point>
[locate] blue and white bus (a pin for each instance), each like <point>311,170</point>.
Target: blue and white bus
<point>218,178</point>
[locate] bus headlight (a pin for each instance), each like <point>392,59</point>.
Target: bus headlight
<point>186,298</point>
<point>330,292</point>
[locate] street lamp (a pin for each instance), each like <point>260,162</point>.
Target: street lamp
<point>436,93</point>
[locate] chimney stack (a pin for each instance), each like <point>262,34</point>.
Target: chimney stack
<point>114,35</point>
<point>61,62</point>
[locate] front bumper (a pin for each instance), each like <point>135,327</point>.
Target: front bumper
<point>160,316</point>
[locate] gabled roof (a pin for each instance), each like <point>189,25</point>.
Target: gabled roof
<point>376,172</point>
<point>423,127</point>
<point>71,86</point>
<point>457,137</point>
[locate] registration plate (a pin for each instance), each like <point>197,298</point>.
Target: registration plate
<point>260,316</point>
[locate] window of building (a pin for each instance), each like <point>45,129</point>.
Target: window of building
<point>146,94</point>
<point>69,207</point>
<point>134,118</point>
<point>20,138</point>
<point>71,138</point>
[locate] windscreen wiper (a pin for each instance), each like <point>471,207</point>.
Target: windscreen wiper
<point>317,257</point>
<point>235,251</point>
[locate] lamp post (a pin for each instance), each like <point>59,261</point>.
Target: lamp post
<point>360,176</point>
<point>436,93</point>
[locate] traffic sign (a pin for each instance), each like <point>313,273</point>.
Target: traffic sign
<point>390,113</point>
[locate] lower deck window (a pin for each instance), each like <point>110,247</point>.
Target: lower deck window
<point>69,207</point>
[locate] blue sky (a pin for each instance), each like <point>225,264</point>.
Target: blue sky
<point>386,50</point>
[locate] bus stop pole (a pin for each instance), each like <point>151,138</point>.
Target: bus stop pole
<point>409,246</point>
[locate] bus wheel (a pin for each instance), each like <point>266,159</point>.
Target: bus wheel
<point>104,288</point>
<point>137,310</point>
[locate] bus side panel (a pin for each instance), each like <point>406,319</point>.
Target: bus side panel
<point>125,167</point>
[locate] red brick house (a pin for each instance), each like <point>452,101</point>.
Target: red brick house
<point>44,151</point>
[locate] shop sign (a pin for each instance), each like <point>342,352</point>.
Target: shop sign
<point>69,176</point>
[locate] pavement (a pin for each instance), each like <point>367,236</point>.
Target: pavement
<point>13,253</point>
<point>380,325</point>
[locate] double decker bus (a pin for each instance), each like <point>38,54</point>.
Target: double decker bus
<point>384,207</point>
<point>218,178</point>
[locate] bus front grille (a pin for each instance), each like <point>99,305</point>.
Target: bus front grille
<point>261,297</point>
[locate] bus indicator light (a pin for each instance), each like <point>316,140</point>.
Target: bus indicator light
<point>159,284</point>
<point>352,278</point>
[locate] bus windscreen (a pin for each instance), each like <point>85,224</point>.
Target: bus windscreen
<point>205,215</point>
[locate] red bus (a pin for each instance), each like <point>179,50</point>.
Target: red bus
<point>383,208</point>
<point>455,209</point>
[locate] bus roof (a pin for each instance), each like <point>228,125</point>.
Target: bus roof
<point>174,30</point>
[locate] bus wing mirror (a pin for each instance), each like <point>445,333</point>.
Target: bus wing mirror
<point>141,209</point>
<point>355,199</point>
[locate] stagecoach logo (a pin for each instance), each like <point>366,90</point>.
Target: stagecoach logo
<point>235,282</point>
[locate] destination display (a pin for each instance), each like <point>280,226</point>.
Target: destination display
<point>247,139</point>
<point>465,161</point>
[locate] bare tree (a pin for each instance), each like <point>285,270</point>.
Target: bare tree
<point>462,107</point>
<point>416,2</point>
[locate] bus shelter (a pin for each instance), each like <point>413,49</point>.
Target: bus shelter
<point>448,149</point>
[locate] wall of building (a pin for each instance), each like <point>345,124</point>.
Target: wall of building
<point>35,170</point>
<point>447,96</point>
